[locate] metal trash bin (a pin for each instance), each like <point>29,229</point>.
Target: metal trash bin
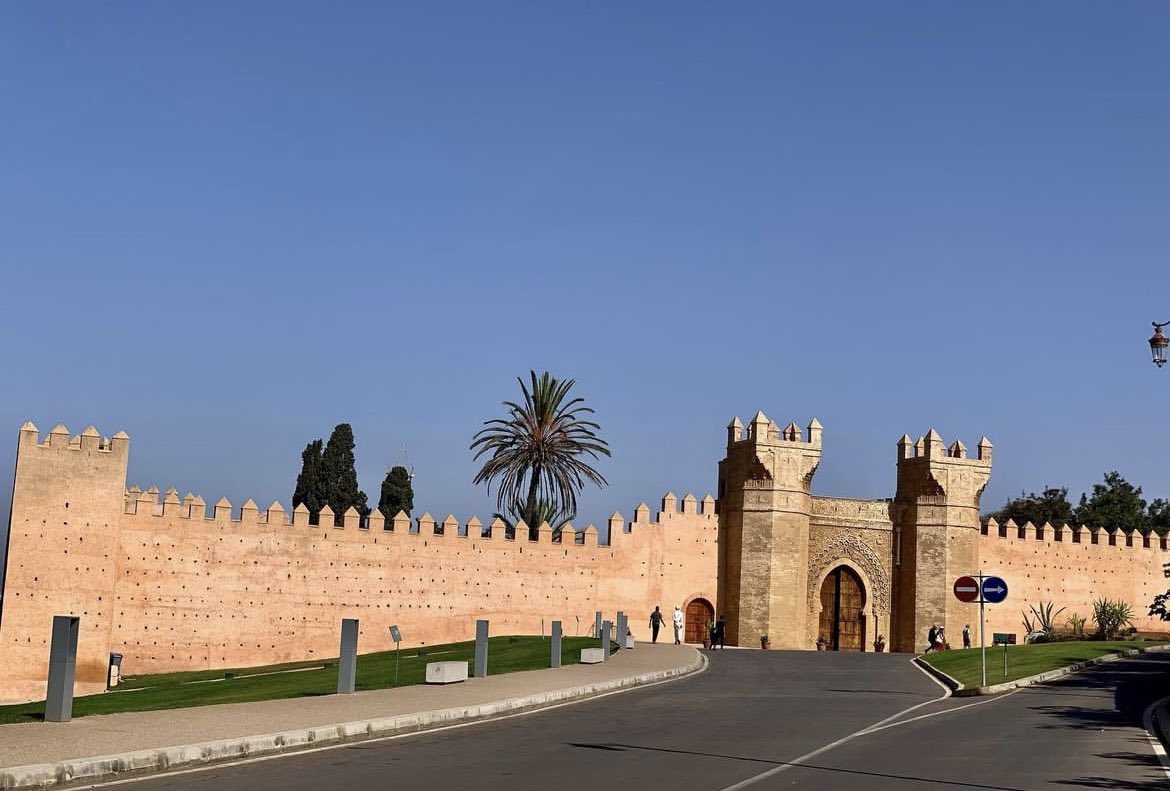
<point>115,671</point>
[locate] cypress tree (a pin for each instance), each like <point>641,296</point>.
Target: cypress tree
<point>310,488</point>
<point>397,493</point>
<point>339,472</point>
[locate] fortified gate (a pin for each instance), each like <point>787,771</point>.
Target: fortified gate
<point>796,567</point>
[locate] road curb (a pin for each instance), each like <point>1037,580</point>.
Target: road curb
<point>132,764</point>
<point>952,683</point>
<point>959,691</point>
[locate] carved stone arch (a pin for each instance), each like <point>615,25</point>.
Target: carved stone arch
<point>853,565</point>
<point>850,567</point>
<point>854,552</point>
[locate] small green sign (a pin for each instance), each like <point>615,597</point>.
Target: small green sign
<point>1004,638</point>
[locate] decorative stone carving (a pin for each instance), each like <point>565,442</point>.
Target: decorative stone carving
<point>854,510</point>
<point>860,553</point>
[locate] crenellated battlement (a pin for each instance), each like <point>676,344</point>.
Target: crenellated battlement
<point>1073,534</point>
<point>763,431</point>
<point>151,504</point>
<point>60,440</point>
<point>931,446</point>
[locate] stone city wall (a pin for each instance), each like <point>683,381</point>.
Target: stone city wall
<point>1070,566</point>
<point>174,585</point>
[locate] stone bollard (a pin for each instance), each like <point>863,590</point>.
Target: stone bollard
<point>62,667</point>
<point>554,659</point>
<point>347,665</point>
<point>481,648</point>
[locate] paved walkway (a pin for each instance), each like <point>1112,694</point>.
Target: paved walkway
<point>120,745</point>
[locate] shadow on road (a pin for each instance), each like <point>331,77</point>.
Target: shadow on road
<point>1133,683</point>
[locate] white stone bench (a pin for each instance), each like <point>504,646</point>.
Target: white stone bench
<point>446,672</point>
<point>591,656</point>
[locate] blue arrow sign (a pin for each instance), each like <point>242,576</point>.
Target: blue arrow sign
<point>995,590</point>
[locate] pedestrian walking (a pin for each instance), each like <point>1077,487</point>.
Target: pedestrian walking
<point>931,634</point>
<point>719,634</point>
<point>966,635</point>
<point>678,625</point>
<point>655,624</point>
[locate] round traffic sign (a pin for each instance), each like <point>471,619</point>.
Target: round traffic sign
<point>994,590</point>
<point>966,589</point>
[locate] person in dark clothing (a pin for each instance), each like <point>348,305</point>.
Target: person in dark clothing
<point>930,638</point>
<point>719,633</point>
<point>655,624</point>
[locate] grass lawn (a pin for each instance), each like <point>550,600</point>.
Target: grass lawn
<point>301,679</point>
<point>1025,660</point>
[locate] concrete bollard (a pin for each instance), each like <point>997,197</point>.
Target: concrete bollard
<point>597,624</point>
<point>481,648</point>
<point>62,667</point>
<point>554,659</point>
<point>622,628</point>
<point>347,665</point>
<point>605,626</point>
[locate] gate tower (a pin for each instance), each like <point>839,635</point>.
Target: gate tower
<point>936,524</point>
<point>764,505</point>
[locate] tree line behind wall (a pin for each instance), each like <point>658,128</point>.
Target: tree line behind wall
<point>329,477</point>
<point>1115,504</point>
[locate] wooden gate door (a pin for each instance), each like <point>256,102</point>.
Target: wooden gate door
<point>699,613</point>
<point>842,621</point>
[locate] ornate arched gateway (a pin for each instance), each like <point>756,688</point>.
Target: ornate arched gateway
<point>842,622</point>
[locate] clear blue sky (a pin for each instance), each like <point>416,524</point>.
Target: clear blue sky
<point>226,227</point>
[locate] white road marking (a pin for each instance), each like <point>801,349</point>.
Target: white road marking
<point>1155,742</point>
<point>880,725</point>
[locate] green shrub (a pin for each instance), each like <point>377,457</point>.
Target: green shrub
<point>1044,622</point>
<point>1111,617</point>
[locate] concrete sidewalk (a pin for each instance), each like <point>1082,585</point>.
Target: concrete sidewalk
<point>112,746</point>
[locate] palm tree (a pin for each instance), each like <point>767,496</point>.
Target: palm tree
<point>538,452</point>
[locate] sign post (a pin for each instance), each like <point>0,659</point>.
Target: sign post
<point>993,590</point>
<point>396,636</point>
<point>985,589</point>
<point>1005,639</point>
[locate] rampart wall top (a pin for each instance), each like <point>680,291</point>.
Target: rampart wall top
<point>767,432</point>
<point>59,440</point>
<point>1075,534</point>
<point>931,446</point>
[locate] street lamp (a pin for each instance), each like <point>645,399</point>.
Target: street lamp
<point>1158,344</point>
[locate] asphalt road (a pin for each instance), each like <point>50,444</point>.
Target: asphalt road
<point>766,720</point>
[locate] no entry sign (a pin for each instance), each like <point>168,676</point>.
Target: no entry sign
<point>966,589</point>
